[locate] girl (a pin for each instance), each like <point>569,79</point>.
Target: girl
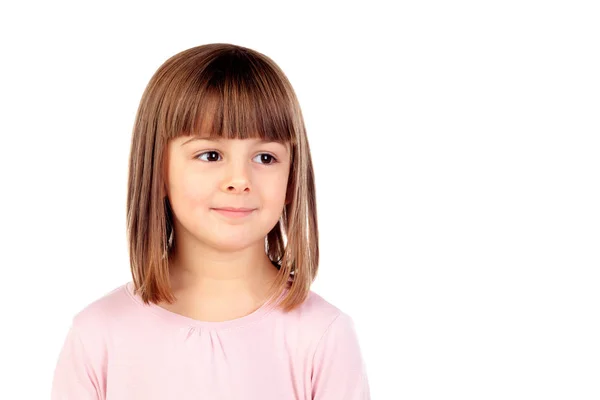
<point>223,242</point>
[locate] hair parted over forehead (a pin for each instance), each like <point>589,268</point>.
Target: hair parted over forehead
<point>228,91</point>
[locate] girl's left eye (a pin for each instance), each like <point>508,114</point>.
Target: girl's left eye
<point>268,156</point>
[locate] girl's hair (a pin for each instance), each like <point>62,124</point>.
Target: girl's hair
<point>234,92</point>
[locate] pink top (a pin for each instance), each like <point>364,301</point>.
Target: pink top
<point>119,348</point>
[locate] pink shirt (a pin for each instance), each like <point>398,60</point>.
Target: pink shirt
<point>118,348</point>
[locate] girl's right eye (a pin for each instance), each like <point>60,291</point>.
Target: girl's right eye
<point>208,152</point>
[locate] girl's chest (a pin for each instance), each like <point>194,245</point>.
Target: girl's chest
<point>206,366</point>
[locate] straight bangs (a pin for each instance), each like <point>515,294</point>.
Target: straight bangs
<point>233,96</point>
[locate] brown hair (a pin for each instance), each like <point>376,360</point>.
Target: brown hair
<point>232,92</point>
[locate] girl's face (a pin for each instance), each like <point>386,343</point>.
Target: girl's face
<point>203,175</point>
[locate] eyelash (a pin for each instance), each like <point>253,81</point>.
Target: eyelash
<point>274,159</point>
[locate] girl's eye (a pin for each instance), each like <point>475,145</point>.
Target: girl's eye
<point>207,152</point>
<point>272,159</point>
<point>264,156</point>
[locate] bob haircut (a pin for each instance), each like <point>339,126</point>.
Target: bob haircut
<point>233,92</point>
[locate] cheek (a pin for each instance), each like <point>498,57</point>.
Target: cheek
<point>274,193</point>
<point>194,192</point>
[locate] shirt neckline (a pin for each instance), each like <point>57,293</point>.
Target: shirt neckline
<point>183,320</point>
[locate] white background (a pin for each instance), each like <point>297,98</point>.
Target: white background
<point>456,150</point>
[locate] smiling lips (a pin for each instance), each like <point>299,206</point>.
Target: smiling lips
<point>234,212</point>
<point>234,208</point>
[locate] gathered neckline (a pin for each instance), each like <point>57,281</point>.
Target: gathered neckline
<point>185,321</point>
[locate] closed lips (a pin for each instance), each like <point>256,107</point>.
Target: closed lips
<point>234,209</point>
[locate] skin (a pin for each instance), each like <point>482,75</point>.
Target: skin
<point>220,270</point>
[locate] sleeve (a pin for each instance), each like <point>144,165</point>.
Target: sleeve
<point>339,371</point>
<point>74,377</point>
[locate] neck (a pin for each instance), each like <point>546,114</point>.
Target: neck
<point>203,273</point>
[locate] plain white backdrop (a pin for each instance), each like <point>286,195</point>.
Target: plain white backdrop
<point>456,147</point>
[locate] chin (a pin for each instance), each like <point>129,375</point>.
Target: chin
<point>233,242</point>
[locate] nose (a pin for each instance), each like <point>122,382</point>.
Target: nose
<point>237,180</point>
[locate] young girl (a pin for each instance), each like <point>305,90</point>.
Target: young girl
<point>223,241</point>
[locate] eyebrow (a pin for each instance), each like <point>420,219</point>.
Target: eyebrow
<point>219,139</point>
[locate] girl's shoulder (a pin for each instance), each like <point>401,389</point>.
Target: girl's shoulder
<point>317,314</point>
<point>104,310</point>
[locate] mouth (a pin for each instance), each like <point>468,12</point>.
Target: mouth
<point>233,212</point>
<point>234,209</point>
